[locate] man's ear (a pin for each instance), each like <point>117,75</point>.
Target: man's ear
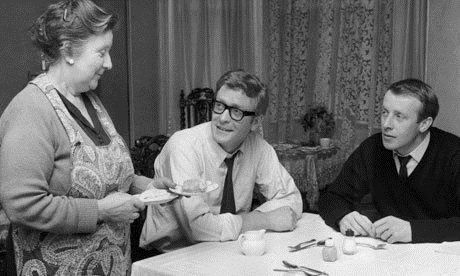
<point>425,124</point>
<point>256,123</point>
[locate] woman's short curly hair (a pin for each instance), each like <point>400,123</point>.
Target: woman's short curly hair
<point>71,21</point>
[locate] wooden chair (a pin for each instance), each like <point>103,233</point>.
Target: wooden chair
<point>143,155</point>
<point>7,259</point>
<point>196,107</point>
<point>144,152</point>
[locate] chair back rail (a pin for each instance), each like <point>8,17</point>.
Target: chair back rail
<point>196,107</point>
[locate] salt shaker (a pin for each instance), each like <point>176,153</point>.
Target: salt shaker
<point>349,246</point>
<point>329,251</point>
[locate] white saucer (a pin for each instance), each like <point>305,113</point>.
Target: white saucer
<point>156,196</point>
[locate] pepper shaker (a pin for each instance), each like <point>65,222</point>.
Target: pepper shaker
<point>329,251</point>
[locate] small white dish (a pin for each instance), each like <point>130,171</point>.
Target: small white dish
<point>210,186</point>
<point>156,196</point>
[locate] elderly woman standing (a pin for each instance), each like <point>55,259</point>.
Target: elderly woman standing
<point>66,176</point>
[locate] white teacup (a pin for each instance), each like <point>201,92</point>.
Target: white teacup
<point>253,243</point>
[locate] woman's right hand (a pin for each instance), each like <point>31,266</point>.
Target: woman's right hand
<point>119,207</point>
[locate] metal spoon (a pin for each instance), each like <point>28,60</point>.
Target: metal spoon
<point>294,266</point>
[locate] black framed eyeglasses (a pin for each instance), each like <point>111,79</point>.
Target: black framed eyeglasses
<point>235,113</point>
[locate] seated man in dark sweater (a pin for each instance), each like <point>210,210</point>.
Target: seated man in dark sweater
<point>417,202</point>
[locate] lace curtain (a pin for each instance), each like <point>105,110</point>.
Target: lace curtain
<point>336,53</point>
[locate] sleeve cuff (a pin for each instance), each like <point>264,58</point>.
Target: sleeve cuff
<point>232,226</point>
<point>88,214</point>
<point>142,183</point>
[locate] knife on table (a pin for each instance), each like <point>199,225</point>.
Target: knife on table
<point>318,243</point>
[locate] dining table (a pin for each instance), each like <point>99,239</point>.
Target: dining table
<point>227,258</point>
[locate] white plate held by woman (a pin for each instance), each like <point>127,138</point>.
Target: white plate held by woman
<point>156,196</point>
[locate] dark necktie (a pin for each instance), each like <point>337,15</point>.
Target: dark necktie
<point>403,160</point>
<point>228,197</point>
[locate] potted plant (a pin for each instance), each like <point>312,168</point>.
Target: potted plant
<point>319,123</point>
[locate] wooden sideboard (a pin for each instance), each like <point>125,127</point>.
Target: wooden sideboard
<point>311,167</point>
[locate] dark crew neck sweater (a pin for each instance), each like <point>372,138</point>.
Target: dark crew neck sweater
<point>429,199</point>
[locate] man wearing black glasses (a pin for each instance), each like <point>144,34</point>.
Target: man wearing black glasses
<point>229,151</point>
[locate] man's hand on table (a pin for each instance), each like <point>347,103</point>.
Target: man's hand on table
<point>393,229</point>
<point>360,224</point>
<point>279,220</point>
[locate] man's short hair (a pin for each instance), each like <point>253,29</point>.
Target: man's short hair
<point>421,91</point>
<point>249,83</point>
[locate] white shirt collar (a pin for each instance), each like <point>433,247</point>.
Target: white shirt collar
<point>419,151</point>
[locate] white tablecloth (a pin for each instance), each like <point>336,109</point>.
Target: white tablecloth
<point>225,258</point>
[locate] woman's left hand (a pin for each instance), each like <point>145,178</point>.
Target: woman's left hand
<point>162,183</point>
